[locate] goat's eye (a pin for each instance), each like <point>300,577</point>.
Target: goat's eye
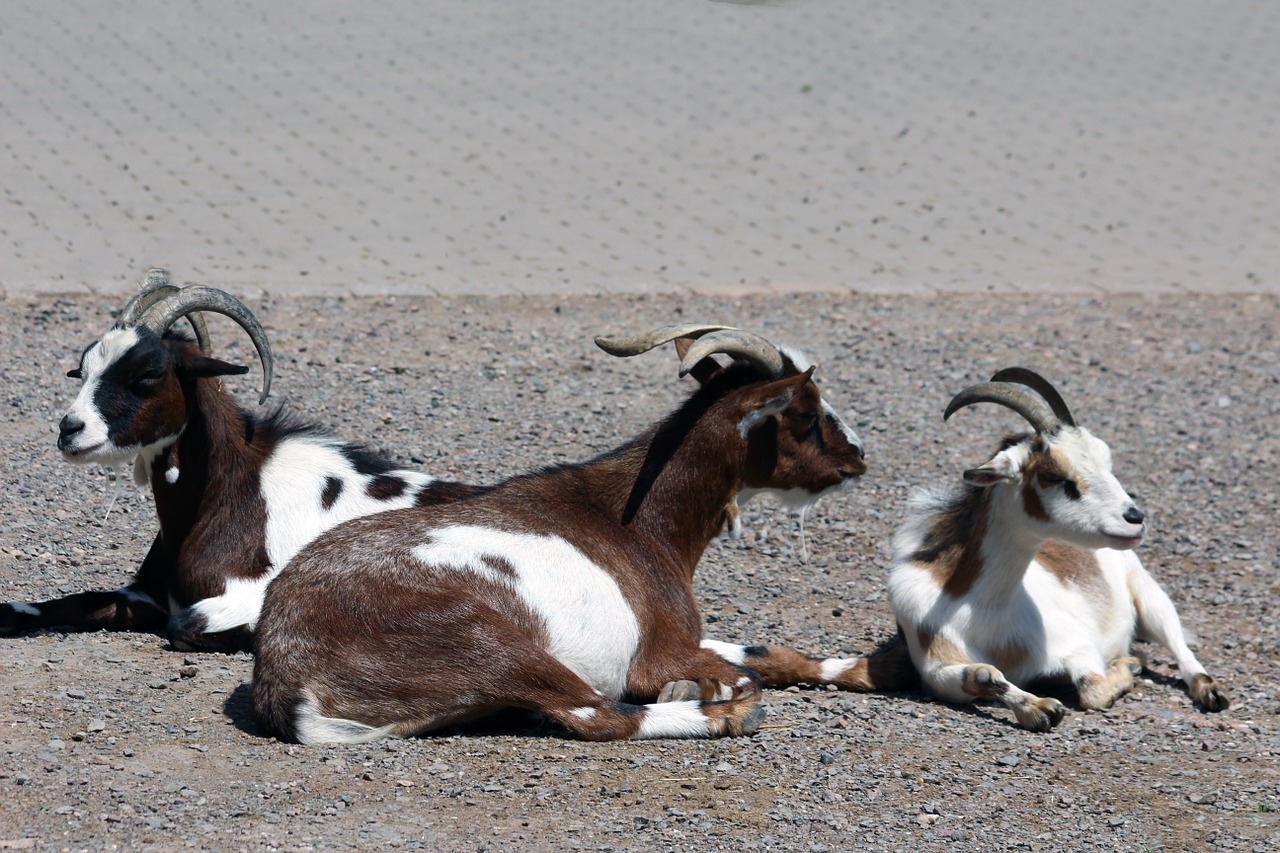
<point>76,374</point>
<point>147,380</point>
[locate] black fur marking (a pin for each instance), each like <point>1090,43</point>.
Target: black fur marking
<point>332,488</point>
<point>384,487</point>
<point>756,651</point>
<point>440,492</point>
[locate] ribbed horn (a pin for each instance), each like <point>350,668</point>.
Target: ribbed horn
<point>1042,386</point>
<point>165,313</point>
<point>637,344</point>
<point>155,287</point>
<point>1031,407</point>
<point>738,344</point>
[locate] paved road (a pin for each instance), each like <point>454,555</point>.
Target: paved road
<point>579,146</point>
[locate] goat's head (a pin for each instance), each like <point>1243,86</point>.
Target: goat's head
<point>133,395</point>
<point>1061,473</point>
<point>796,446</point>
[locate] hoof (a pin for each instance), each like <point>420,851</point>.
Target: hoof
<point>1207,694</point>
<point>1134,665</point>
<point>680,691</point>
<point>752,720</point>
<point>1040,715</point>
<point>14,619</point>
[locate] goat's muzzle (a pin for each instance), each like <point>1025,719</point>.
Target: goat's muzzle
<point>68,428</point>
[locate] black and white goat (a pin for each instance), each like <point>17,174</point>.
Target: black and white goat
<point>567,591</point>
<point>237,495</point>
<point>1027,572</point>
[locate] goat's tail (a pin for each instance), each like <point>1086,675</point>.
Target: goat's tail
<point>888,668</point>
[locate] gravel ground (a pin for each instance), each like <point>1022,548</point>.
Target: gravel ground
<point>116,741</point>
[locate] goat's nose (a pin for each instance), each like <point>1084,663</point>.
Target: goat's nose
<point>69,425</point>
<point>1133,515</point>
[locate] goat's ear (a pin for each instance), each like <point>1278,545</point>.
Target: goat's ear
<point>201,367</point>
<point>999,470</point>
<point>765,401</point>
<point>705,370</point>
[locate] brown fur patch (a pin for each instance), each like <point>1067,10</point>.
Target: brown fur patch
<point>940,649</point>
<point>1068,563</point>
<point>1008,656</point>
<point>950,548</point>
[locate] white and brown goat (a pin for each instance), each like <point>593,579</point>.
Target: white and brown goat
<point>236,494</point>
<point>1027,571</point>
<point>567,591</point>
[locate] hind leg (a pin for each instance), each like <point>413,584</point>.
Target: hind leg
<point>889,668</point>
<point>536,682</point>
<point>1101,690</point>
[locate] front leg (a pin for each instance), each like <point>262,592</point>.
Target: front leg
<point>124,609</point>
<point>140,606</point>
<point>1158,621</point>
<point>965,682</point>
<point>730,695</point>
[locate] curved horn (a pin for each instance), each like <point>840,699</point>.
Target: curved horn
<point>163,314</point>
<point>636,344</point>
<point>1012,397</point>
<point>739,344</point>
<point>1042,386</point>
<point>154,288</point>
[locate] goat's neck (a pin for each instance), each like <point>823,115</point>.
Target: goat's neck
<point>678,505</point>
<point>1010,543</point>
<point>212,457</point>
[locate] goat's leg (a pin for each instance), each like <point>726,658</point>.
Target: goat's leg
<point>1101,690</point>
<point>674,674</point>
<point>124,609</point>
<point>520,676</point>
<point>888,668</point>
<point>1158,621</point>
<point>221,622</point>
<point>965,682</point>
<point>140,606</point>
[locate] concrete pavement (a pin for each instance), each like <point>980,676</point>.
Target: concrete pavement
<point>586,146</point>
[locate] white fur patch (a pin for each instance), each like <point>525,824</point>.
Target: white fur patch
<point>315,728</point>
<point>590,627</point>
<point>584,713</point>
<point>833,668</point>
<point>171,475</point>
<point>845,430</point>
<point>731,652</point>
<point>239,604</point>
<point>293,480</point>
<point>673,719</point>
<point>24,608</point>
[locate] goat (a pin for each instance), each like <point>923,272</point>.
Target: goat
<point>236,495</point>
<point>1027,572</point>
<point>567,591</point>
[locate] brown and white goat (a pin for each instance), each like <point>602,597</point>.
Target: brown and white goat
<point>567,591</point>
<point>237,495</point>
<point>1027,572</point>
